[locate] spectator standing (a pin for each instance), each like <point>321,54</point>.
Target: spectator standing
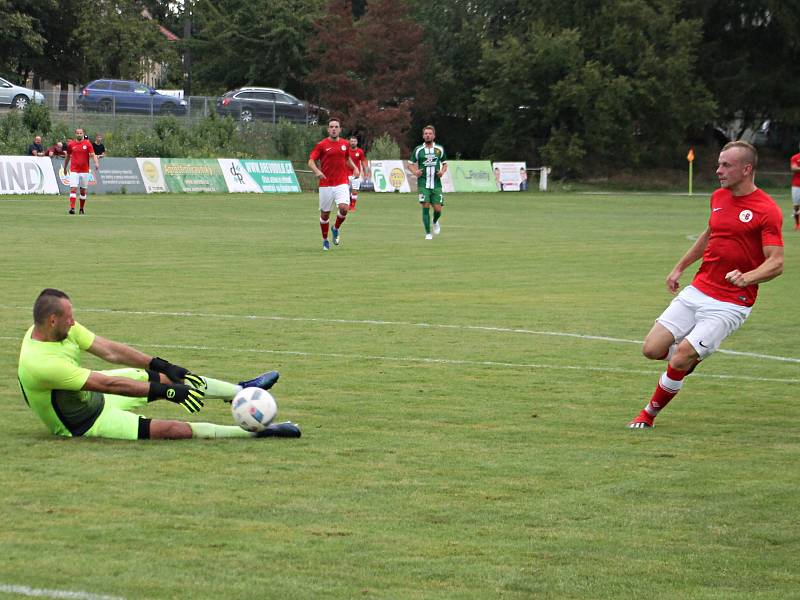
<point>99,147</point>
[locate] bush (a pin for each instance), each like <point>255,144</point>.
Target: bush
<point>36,117</point>
<point>385,148</point>
<point>14,136</point>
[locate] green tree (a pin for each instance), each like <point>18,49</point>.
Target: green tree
<point>238,42</point>
<point>21,34</point>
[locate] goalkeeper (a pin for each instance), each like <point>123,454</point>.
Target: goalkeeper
<point>73,401</point>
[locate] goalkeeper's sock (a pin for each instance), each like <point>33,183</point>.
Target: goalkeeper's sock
<point>210,431</point>
<point>339,220</point>
<point>216,388</point>
<point>324,225</point>
<point>426,218</point>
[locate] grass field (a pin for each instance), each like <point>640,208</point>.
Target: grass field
<point>463,404</point>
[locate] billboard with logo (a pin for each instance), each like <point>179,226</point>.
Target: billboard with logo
<point>27,175</point>
<point>116,176</point>
<point>389,176</point>
<point>152,175</point>
<point>272,176</point>
<point>193,175</point>
<point>472,176</point>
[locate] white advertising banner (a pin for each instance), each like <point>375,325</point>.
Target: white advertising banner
<point>152,175</point>
<point>389,176</point>
<point>510,176</point>
<point>27,175</point>
<point>236,177</point>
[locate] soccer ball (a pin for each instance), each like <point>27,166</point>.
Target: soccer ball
<point>253,409</point>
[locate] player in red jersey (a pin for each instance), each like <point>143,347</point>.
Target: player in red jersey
<point>794,165</point>
<point>741,247</point>
<point>359,158</point>
<point>78,152</point>
<point>331,163</point>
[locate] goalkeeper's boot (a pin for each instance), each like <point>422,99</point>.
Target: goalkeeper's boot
<point>642,421</point>
<point>286,429</point>
<point>263,381</point>
<point>335,233</point>
<point>326,245</point>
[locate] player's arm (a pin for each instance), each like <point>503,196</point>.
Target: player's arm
<point>118,353</point>
<point>413,168</point>
<point>190,397</point>
<point>443,170</point>
<point>693,254</point>
<point>365,168</point>
<point>96,162</point>
<point>356,171</point>
<point>67,156</point>
<point>312,164</point>
<point>769,269</point>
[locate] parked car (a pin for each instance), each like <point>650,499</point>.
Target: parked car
<point>118,95</point>
<point>17,96</point>
<point>271,104</point>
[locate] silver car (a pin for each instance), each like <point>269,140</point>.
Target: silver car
<point>16,96</point>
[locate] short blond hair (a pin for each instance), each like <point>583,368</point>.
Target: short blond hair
<point>751,151</point>
<point>431,127</point>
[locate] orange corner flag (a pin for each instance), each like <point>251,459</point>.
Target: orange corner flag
<point>690,156</point>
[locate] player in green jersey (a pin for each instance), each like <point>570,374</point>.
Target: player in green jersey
<point>428,163</point>
<point>73,401</point>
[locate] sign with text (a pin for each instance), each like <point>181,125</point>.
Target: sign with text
<point>152,175</point>
<point>193,175</point>
<point>472,176</point>
<point>389,176</point>
<point>271,176</point>
<point>27,175</point>
<point>116,176</point>
<point>510,176</point>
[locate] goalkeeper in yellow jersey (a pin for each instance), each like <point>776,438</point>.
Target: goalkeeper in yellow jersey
<point>73,401</point>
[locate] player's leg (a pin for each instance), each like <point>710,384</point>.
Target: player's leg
<point>424,200</point>
<point>355,185</point>
<point>437,201</point>
<point>796,206</point>
<point>325,207</point>
<point>82,200</point>
<point>663,342</point>
<point>342,200</point>
<point>74,181</point>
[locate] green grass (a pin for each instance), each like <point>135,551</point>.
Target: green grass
<point>458,443</point>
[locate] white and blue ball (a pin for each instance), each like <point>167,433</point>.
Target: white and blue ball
<point>253,409</point>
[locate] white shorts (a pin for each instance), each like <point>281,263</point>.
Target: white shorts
<point>702,320</point>
<point>795,195</point>
<point>355,183</point>
<point>78,180</point>
<point>332,196</point>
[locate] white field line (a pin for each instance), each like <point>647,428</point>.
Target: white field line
<point>24,590</point>
<point>487,328</point>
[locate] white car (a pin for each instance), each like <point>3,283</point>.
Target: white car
<point>16,96</point>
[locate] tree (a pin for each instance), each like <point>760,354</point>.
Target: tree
<point>371,71</point>
<point>238,42</point>
<point>21,36</point>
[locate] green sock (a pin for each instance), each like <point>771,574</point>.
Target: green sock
<point>216,388</point>
<point>426,218</point>
<point>436,215</point>
<point>210,431</point>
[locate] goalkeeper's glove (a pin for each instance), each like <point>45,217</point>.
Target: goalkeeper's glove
<point>196,382</point>
<point>189,397</point>
<point>174,372</point>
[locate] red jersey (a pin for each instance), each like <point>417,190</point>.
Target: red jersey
<point>795,162</point>
<point>332,157</point>
<point>79,155</point>
<point>359,158</point>
<point>740,228</point>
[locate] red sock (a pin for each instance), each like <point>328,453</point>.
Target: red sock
<point>668,386</point>
<point>797,218</point>
<point>323,225</point>
<point>72,201</point>
<point>83,203</point>
<point>339,220</point>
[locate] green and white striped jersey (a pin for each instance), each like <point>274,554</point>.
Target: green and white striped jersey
<point>429,160</point>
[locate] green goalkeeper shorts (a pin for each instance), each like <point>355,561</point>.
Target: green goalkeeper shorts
<point>115,420</point>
